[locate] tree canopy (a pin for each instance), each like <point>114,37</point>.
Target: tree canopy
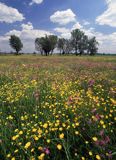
<point>46,44</point>
<point>15,43</point>
<point>78,44</point>
<point>92,46</point>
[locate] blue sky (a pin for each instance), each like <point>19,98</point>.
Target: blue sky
<point>30,19</point>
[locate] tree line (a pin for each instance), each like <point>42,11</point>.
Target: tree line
<point>78,44</point>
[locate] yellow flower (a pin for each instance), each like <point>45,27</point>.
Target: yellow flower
<point>77,132</point>
<point>41,157</point>
<point>83,158</point>
<point>90,153</point>
<point>16,130</point>
<point>21,132</point>
<point>45,125</point>
<point>101,122</point>
<point>39,131</point>
<point>36,138</point>
<point>15,137</point>
<point>16,151</point>
<point>48,140</point>
<point>64,125</point>
<point>19,143</point>
<point>77,124</point>
<point>98,157</point>
<point>34,130</point>
<point>32,150</point>
<point>10,117</point>
<point>59,146</point>
<point>40,148</point>
<point>27,145</point>
<point>13,158</point>
<point>60,129</point>
<point>86,142</point>
<point>94,139</point>
<point>61,136</point>
<point>8,155</point>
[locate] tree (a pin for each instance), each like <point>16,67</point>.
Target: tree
<point>16,43</point>
<point>76,37</point>
<point>83,44</point>
<point>79,43</point>
<point>38,45</point>
<point>46,44</point>
<point>92,46</point>
<point>53,41</point>
<point>61,45</point>
<point>68,47</point>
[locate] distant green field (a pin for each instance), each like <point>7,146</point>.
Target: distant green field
<point>57,107</point>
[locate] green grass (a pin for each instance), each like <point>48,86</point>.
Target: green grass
<point>57,107</point>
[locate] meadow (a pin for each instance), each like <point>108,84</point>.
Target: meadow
<point>57,108</point>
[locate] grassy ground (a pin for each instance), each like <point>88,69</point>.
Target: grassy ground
<point>57,108</point>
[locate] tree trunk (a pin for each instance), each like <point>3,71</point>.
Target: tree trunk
<point>41,53</point>
<point>46,53</point>
<point>17,52</point>
<point>80,53</point>
<point>76,53</point>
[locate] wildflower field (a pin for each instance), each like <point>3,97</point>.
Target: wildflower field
<point>57,108</point>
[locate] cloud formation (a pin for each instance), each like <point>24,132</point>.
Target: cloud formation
<point>105,40</point>
<point>109,16</point>
<point>36,2</point>
<point>27,35</point>
<point>9,14</point>
<point>66,21</point>
<point>63,17</point>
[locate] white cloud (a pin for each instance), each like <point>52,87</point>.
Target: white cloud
<point>27,35</point>
<point>13,32</point>
<point>62,30</point>
<point>27,26</point>
<point>90,32</point>
<point>106,41</point>
<point>66,32</point>
<point>4,44</point>
<point>86,23</point>
<point>63,17</point>
<point>9,14</point>
<point>109,16</point>
<point>36,2</point>
<point>66,35</point>
<point>77,25</point>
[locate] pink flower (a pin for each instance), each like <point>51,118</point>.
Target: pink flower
<point>91,83</point>
<point>102,143</point>
<point>110,155</point>
<point>94,110</point>
<point>101,133</point>
<point>46,150</point>
<point>98,116</point>
<point>97,143</point>
<point>90,121</point>
<point>36,95</point>
<point>107,139</point>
